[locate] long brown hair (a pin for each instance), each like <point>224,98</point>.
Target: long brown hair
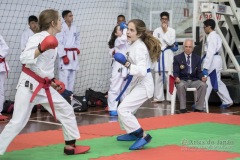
<point>46,17</point>
<point>113,37</point>
<point>151,42</point>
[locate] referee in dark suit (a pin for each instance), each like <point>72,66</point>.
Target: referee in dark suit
<point>188,74</point>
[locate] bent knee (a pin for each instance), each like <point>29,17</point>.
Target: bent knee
<point>180,85</point>
<point>122,112</point>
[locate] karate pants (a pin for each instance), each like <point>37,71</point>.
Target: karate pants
<point>129,106</point>
<point>159,87</point>
<point>2,97</point>
<point>116,85</point>
<point>222,89</point>
<point>67,76</point>
<point>22,111</point>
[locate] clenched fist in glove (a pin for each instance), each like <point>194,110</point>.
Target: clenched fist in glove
<point>65,59</point>
<point>119,57</point>
<point>50,42</point>
<point>59,85</point>
<point>123,25</point>
<point>205,72</point>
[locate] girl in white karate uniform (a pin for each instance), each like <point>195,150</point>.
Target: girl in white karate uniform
<point>38,70</point>
<point>144,50</point>
<point>119,42</point>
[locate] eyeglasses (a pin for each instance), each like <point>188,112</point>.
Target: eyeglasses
<point>188,46</point>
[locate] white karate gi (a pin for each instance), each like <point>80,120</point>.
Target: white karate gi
<point>68,38</point>
<point>141,87</point>
<point>211,62</point>
<point>166,39</point>
<point>25,36</point>
<point>43,66</point>
<point>119,72</point>
<point>3,70</point>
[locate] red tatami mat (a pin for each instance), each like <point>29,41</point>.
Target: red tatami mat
<point>172,152</point>
<point>51,137</point>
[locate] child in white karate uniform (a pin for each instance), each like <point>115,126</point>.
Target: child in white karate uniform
<point>119,42</point>
<point>36,86</point>
<point>144,50</point>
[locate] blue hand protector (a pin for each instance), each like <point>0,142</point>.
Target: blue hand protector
<point>119,57</point>
<point>205,72</point>
<point>123,25</point>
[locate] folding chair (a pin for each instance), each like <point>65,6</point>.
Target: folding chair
<point>173,99</point>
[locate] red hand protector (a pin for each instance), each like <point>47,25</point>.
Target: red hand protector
<point>65,59</point>
<point>60,84</point>
<point>50,42</point>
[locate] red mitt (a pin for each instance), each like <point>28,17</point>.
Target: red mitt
<point>60,85</point>
<point>50,42</point>
<point>65,59</point>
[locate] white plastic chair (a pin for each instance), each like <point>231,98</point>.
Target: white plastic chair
<point>173,99</point>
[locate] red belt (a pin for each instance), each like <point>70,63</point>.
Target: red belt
<point>71,49</point>
<point>2,60</point>
<point>43,83</point>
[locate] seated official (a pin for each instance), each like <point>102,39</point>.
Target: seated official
<point>188,74</point>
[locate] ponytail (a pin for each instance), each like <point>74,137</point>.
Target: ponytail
<point>153,45</point>
<point>113,38</point>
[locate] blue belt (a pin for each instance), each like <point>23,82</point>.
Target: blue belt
<point>129,79</point>
<point>204,56</point>
<point>163,66</point>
